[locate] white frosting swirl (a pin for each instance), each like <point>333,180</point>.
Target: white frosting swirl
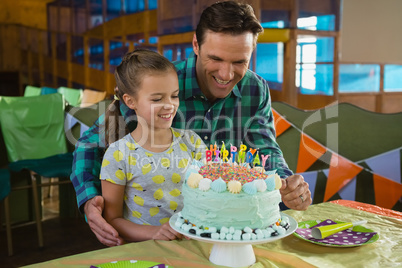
<point>205,184</point>
<point>261,185</point>
<point>234,186</point>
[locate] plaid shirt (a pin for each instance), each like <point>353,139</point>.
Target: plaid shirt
<point>244,116</point>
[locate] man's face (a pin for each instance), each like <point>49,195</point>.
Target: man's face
<point>222,62</point>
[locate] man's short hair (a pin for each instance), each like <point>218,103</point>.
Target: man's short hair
<point>228,17</point>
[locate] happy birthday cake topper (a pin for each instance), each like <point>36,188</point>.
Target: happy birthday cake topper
<point>216,154</point>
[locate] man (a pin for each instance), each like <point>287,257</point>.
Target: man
<point>220,99</point>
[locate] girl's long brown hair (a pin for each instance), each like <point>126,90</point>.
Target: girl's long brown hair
<point>129,76</point>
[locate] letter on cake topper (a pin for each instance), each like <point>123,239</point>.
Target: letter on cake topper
<point>264,159</point>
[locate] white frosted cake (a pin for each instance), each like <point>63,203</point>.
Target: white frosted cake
<point>230,201</point>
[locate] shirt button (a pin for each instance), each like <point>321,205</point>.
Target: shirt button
<point>206,137</point>
<point>209,110</point>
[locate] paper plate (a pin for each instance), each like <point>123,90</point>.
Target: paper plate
<point>131,264</point>
<point>357,236</point>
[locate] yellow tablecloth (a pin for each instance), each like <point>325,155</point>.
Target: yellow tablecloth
<point>287,252</point>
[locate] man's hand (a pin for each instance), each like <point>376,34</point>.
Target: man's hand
<point>105,233</point>
<point>295,192</point>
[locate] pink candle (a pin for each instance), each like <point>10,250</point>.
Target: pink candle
<point>264,159</point>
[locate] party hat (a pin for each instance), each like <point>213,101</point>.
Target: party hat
<point>327,230</point>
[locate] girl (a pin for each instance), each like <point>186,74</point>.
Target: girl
<point>142,173</point>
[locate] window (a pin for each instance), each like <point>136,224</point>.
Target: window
<point>392,78</point>
<point>314,64</point>
<point>359,78</point>
<point>269,63</point>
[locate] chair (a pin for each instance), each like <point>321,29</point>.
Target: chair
<point>33,132</point>
<point>5,189</point>
<point>72,96</point>
<point>91,97</point>
<point>48,90</point>
<point>32,91</point>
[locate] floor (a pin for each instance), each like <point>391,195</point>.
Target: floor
<point>62,237</point>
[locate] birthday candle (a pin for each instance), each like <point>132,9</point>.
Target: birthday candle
<point>217,152</point>
<point>225,154</point>
<point>241,157</point>
<point>213,149</point>
<point>223,146</point>
<point>264,159</point>
<point>249,157</point>
<point>252,151</point>
<point>233,156</point>
<point>243,148</point>
<point>208,155</point>
<point>256,160</point>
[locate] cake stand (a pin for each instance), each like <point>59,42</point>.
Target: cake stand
<point>234,253</point>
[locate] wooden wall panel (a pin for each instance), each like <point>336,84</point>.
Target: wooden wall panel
<point>392,102</point>
<point>10,59</point>
<point>365,101</point>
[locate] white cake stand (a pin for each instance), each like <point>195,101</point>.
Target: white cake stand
<point>234,253</point>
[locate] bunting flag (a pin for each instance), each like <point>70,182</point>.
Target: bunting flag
<point>70,121</point>
<point>83,129</point>
<point>349,191</point>
<point>281,124</point>
<point>309,151</point>
<point>387,192</point>
<point>311,178</point>
<point>387,164</point>
<point>341,171</point>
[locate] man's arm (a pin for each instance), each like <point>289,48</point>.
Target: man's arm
<point>261,131</point>
<point>87,159</point>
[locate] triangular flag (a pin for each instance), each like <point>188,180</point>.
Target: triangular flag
<point>83,129</point>
<point>309,151</point>
<point>386,191</point>
<point>349,191</point>
<point>69,122</point>
<point>341,171</point>
<point>387,165</point>
<point>281,125</point>
<point>311,179</point>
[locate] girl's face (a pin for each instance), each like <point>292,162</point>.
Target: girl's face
<point>156,101</point>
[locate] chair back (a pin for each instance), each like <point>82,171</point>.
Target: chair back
<point>90,97</point>
<point>48,90</point>
<point>73,96</point>
<point>33,127</point>
<point>4,183</point>
<point>32,91</point>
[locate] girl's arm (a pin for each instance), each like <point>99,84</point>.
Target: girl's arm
<point>131,232</point>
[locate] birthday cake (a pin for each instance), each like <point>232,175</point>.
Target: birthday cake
<point>227,199</point>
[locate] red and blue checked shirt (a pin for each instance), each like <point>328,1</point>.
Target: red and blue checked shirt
<point>244,116</point>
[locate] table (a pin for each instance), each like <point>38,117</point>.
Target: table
<point>287,252</point>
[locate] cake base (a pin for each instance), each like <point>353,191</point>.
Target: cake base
<point>234,253</point>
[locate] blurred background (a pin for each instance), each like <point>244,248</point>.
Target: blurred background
<point>313,52</point>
